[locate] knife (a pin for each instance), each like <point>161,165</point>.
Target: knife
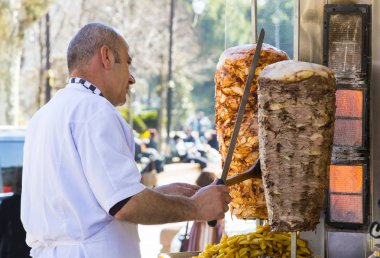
<point>253,172</point>
<point>239,118</point>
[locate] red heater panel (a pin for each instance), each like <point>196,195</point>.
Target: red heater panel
<point>348,132</point>
<point>346,208</point>
<point>349,103</point>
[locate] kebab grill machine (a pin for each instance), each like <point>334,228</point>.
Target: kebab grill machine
<point>314,129</point>
<point>345,36</point>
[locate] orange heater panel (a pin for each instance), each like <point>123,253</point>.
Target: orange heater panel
<point>348,132</point>
<point>346,193</point>
<point>346,179</point>
<point>349,103</point>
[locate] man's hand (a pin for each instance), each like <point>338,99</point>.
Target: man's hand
<point>212,201</point>
<point>181,189</point>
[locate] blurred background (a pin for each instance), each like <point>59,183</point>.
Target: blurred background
<point>175,46</point>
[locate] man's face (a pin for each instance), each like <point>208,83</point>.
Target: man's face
<point>121,78</point>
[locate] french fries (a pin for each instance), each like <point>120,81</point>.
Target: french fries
<point>261,243</point>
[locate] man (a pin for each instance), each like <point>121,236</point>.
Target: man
<point>82,195</point>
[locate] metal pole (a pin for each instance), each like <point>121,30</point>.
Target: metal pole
<point>47,71</point>
<point>296,27</point>
<point>169,82</point>
<point>225,24</point>
<point>258,222</point>
<point>254,20</point>
<point>293,245</point>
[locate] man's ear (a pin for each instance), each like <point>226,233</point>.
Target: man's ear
<point>107,57</point>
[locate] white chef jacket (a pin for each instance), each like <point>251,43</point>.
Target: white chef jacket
<point>78,163</point>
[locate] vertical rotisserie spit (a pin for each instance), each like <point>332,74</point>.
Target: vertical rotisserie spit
<point>296,128</point>
<point>230,77</point>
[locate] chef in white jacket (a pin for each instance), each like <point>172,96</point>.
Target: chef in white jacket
<point>82,195</point>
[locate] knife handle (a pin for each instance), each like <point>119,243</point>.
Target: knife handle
<point>212,223</point>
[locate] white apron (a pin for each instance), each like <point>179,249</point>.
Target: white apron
<point>118,239</point>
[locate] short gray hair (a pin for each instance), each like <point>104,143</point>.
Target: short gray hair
<point>88,40</point>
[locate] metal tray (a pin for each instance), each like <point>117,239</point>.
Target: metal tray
<point>179,255</point>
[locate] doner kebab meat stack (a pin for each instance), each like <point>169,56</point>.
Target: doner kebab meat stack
<point>296,127</point>
<point>232,70</point>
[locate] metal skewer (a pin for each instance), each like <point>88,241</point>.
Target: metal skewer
<point>293,245</point>
<point>258,222</point>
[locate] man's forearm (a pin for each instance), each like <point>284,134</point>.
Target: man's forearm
<point>151,207</point>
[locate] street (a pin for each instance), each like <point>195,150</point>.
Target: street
<point>150,236</point>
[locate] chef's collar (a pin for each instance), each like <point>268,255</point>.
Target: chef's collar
<point>88,85</point>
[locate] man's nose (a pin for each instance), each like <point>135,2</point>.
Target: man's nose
<point>131,79</point>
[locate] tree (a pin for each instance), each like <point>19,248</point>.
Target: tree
<point>277,20</point>
<point>225,24</point>
<point>145,25</point>
<point>220,27</point>
<point>196,50</point>
<point>15,17</point>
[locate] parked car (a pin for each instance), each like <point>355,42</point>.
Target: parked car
<point>11,155</point>
<point>12,233</point>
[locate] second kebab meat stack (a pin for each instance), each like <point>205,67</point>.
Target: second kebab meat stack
<point>296,129</point>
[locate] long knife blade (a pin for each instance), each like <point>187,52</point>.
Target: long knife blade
<point>243,102</point>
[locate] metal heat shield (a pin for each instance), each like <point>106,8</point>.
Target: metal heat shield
<point>352,141</point>
<point>346,52</point>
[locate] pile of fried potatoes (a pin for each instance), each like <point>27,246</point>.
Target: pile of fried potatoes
<point>262,243</point>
